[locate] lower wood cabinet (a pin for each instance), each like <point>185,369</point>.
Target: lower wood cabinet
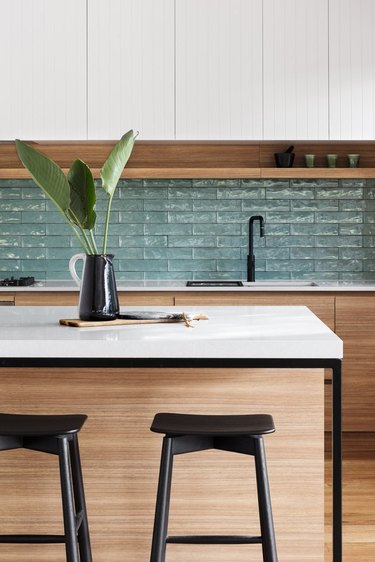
<point>355,325</point>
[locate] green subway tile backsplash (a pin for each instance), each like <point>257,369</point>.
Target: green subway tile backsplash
<point>198,229</point>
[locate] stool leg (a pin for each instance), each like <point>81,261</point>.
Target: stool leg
<point>264,502</point>
<point>162,502</point>
<point>80,502</point>
<point>71,542</point>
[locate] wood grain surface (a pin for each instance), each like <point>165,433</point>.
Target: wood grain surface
<point>213,491</point>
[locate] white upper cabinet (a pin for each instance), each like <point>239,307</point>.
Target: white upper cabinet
<point>352,69</point>
<point>131,68</point>
<point>295,59</point>
<point>219,69</point>
<point>43,69</point>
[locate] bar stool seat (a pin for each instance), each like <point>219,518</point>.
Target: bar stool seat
<point>190,424</point>
<point>186,433</point>
<point>56,435</point>
<point>20,424</point>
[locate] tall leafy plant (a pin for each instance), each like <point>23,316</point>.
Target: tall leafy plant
<point>75,194</point>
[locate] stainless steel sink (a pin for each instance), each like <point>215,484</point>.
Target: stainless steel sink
<point>286,283</point>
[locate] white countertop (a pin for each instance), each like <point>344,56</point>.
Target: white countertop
<point>179,286</point>
<point>230,332</point>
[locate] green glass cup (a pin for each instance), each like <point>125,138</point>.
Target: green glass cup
<point>353,160</point>
<point>331,160</point>
<point>310,160</point>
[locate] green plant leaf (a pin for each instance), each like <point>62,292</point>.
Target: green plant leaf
<point>82,195</point>
<point>116,161</point>
<point>46,173</point>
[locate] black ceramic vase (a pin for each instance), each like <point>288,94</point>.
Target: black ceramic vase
<point>98,298</point>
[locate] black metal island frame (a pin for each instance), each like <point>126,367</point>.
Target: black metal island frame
<point>233,338</point>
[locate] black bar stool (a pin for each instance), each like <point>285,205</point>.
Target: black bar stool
<point>56,435</point>
<point>185,433</point>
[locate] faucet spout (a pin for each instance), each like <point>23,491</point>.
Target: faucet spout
<point>251,256</point>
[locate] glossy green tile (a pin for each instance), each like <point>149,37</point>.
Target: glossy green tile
<point>191,241</point>
<point>350,192</point>
<point>313,183</point>
<point>338,265</point>
<point>338,241</point>
<point>9,266</point>
<point>289,193</point>
<point>194,265</point>
<point>292,217</point>
<point>10,217</point>
<point>314,253</point>
<point>315,205</point>
<point>357,253</point>
<point>221,205</point>
<point>142,241</point>
<point>10,241</point>
<point>217,253</point>
<point>203,216</point>
<point>168,229</point>
<point>217,229</point>
<point>10,193</point>
<point>142,217</point>
<point>192,193</point>
<point>289,241</point>
<point>216,183</point>
<point>290,265</point>
<point>314,229</point>
<point>256,206</point>
<point>339,217</point>
<point>233,265</point>
<point>241,193</point>
<point>168,205</point>
<point>232,241</point>
<point>156,253</point>
<point>143,265</point>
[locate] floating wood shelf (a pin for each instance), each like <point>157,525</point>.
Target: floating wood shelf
<point>202,159</point>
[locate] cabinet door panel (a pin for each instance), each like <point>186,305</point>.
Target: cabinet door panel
<point>131,68</point>
<point>351,69</point>
<point>295,69</point>
<point>218,69</point>
<point>43,69</point>
<point>355,325</point>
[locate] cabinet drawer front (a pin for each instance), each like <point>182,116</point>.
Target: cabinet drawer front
<point>48,299</point>
<point>355,313</point>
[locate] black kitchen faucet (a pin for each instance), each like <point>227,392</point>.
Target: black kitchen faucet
<point>251,257</point>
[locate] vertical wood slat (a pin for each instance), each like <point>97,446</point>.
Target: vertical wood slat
<point>218,69</point>
<point>131,68</point>
<point>43,69</point>
<point>295,59</point>
<point>213,491</point>
<point>352,69</point>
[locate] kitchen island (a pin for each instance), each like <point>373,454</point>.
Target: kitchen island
<point>241,360</point>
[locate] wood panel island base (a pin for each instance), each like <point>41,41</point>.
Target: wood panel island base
<point>213,368</point>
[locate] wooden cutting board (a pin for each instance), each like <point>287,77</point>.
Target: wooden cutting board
<point>77,323</point>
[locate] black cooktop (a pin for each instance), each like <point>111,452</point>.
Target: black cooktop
<point>214,284</point>
<point>17,282</point>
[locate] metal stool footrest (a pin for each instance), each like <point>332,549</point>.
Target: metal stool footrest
<point>214,539</point>
<point>32,539</point>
